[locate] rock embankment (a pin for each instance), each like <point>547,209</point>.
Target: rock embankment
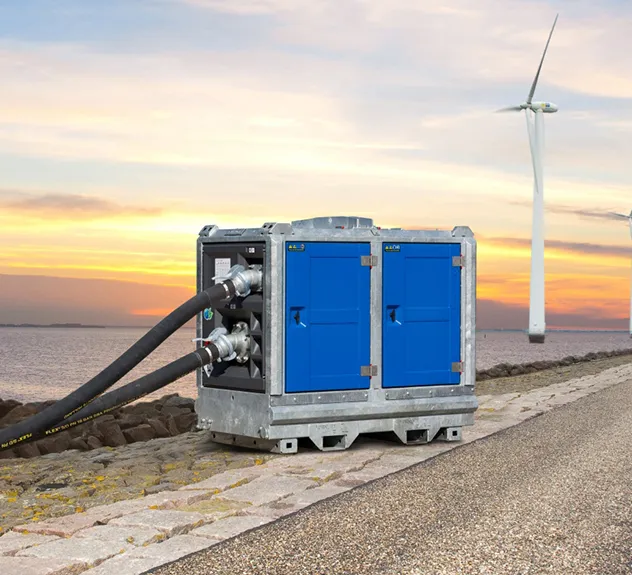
<point>173,415</point>
<point>512,370</point>
<point>166,417</point>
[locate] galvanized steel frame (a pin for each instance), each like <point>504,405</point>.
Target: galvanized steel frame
<point>260,415</point>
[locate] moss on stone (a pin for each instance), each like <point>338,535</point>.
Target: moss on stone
<point>215,505</point>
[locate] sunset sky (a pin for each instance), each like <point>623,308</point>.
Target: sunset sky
<point>127,125</point>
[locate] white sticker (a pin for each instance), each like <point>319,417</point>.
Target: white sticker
<point>222,267</point>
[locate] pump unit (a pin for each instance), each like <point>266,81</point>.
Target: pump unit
<point>355,330</point>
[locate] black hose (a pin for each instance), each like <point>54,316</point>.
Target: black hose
<point>82,396</point>
<point>135,390</point>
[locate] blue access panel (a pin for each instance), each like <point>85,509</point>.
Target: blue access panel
<point>421,316</point>
<point>327,316</point>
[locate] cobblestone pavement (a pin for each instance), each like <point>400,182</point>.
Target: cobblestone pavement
<point>132,536</point>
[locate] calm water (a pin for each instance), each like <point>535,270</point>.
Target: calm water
<point>38,364</point>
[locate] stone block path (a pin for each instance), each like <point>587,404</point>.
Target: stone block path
<point>130,538</point>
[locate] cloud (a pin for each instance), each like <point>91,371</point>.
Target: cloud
<point>584,213</point>
<point>392,114</point>
<point>69,206</point>
<point>249,6</point>
<point>490,41</point>
<point>564,246</point>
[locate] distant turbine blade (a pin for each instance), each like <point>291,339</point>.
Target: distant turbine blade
<point>535,80</point>
<point>510,109</point>
<point>619,216</point>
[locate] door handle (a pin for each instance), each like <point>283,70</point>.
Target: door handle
<point>393,316</point>
<point>297,318</point>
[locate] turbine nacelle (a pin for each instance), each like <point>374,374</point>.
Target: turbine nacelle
<point>546,107</point>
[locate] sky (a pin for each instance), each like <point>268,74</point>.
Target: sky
<point>128,125</point>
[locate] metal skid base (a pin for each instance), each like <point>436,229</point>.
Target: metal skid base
<point>339,436</point>
<point>248,420</point>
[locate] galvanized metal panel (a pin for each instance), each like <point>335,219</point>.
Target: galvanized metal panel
<point>468,312</point>
<point>319,397</point>
<point>334,412</point>
<point>376,314</point>
<point>428,391</point>
<point>421,331</point>
<point>275,307</point>
<point>327,316</point>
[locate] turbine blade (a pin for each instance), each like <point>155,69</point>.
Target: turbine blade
<point>618,216</point>
<point>537,75</point>
<point>510,109</point>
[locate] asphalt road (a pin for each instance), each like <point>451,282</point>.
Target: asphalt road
<point>552,495</point>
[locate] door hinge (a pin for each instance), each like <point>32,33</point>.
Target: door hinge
<point>457,367</point>
<point>368,370</point>
<point>458,261</point>
<point>368,261</point>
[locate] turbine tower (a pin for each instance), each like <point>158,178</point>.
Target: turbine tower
<point>617,216</point>
<point>535,127</point>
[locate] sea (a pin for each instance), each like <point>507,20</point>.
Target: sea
<point>38,364</point>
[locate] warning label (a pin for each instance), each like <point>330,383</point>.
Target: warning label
<point>222,267</point>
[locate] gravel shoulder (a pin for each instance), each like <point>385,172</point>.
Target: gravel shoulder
<point>550,496</point>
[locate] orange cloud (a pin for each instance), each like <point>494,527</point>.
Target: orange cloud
<point>582,278</point>
<point>556,248</point>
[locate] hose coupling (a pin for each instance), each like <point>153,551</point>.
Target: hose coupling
<point>245,280</point>
<point>234,345</point>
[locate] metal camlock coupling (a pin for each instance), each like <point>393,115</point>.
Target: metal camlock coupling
<point>234,345</point>
<point>245,280</point>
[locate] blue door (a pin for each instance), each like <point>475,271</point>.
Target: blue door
<point>327,316</point>
<point>421,316</point>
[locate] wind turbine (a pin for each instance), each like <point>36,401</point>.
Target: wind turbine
<point>535,127</point>
<point>617,216</point>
